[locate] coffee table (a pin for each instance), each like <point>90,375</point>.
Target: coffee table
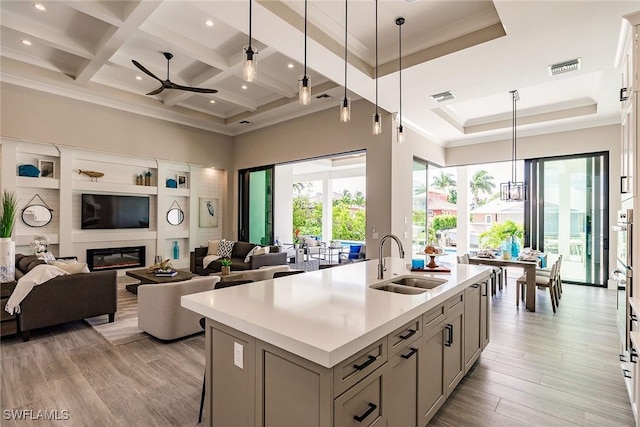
<point>147,278</point>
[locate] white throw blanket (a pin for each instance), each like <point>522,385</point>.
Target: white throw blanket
<point>209,259</point>
<point>37,275</point>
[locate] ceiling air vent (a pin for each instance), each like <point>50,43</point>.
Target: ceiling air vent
<point>564,67</point>
<point>441,97</point>
<point>245,122</point>
<point>322,96</point>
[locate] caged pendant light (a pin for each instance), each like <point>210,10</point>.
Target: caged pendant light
<point>513,191</point>
<point>345,102</point>
<point>304,91</point>
<point>376,124</point>
<point>250,67</point>
<point>399,23</point>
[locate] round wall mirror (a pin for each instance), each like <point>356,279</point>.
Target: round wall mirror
<point>36,215</point>
<point>175,216</point>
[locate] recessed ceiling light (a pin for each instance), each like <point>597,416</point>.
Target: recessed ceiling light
<point>290,65</point>
<point>212,101</point>
<point>27,42</point>
<point>39,6</point>
<point>138,78</point>
<point>244,86</point>
<point>208,23</point>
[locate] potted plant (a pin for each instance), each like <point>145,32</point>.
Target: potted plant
<point>8,207</point>
<point>225,270</point>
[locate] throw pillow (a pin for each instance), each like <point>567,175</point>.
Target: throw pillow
<point>213,247</point>
<point>262,250</point>
<point>72,267</point>
<point>225,248</point>
<point>251,252</point>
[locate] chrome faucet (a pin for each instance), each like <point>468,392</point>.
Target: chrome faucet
<point>381,267</point>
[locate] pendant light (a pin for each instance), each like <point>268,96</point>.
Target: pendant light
<point>250,67</point>
<point>376,124</point>
<point>399,22</point>
<point>513,191</point>
<point>304,90</point>
<point>345,102</point>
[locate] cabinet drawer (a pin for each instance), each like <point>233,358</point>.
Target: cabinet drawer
<point>362,404</point>
<point>433,317</point>
<point>401,337</point>
<point>453,302</point>
<point>358,366</point>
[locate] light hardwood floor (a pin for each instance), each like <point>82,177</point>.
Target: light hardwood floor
<point>540,369</point>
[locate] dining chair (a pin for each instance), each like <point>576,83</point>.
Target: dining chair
<point>496,273</point>
<point>286,273</point>
<point>541,282</point>
<point>547,271</point>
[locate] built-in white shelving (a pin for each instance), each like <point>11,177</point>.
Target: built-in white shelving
<point>109,187</point>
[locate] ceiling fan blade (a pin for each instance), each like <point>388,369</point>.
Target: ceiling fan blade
<point>192,89</point>
<point>144,70</point>
<point>157,91</point>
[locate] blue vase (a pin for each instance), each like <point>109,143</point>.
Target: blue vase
<point>176,250</point>
<point>515,248</point>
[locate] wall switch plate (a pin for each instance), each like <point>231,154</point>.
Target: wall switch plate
<point>238,356</point>
<point>374,235</point>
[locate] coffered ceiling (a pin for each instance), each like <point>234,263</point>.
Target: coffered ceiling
<point>477,50</point>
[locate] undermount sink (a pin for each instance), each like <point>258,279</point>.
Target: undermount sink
<point>420,282</point>
<point>409,285</point>
<point>398,289</point>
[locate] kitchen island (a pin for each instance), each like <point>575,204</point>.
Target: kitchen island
<point>324,348</point>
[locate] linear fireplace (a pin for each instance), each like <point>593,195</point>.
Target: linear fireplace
<point>115,258</point>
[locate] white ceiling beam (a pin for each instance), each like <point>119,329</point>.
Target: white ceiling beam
<point>114,39</point>
<point>96,9</point>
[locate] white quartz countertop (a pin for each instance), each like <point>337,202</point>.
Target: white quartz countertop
<point>328,315</point>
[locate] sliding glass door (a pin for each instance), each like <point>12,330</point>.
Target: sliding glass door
<point>567,214</point>
<point>255,222</point>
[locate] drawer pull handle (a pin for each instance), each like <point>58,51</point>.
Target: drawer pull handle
<point>360,418</point>
<point>633,354</point>
<point>623,93</point>
<point>411,353</point>
<point>410,334</point>
<point>626,373</point>
<point>365,364</point>
<point>449,329</point>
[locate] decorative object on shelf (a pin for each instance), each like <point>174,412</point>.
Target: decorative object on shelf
<point>399,23</point>
<point>147,178</point>
<point>28,170</point>
<point>168,84</point>
<point>93,175</point>
<point>513,191</point>
<point>37,214</point>
<point>172,183</point>
<point>140,180</point>
<point>163,265</point>
<point>345,102</point>
<point>182,181</point>
<point>47,168</point>
<point>304,89</point>
<point>250,67</point>
<point>176,250</point>
<point>175,215</point>
<point>208,212</point>
<point>225,268</point>
<point>8,206</point>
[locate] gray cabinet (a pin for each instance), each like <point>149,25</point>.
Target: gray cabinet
<point>472,325</point>
<point>454,343</point>
<point>431,388</point>
<point>485,315</point>
<point>363,404</point>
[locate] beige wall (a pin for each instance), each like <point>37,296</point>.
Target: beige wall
<point>32,115</point>
<point>318,135</point>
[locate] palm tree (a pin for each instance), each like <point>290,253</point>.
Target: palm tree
<point>481,182</point>
<point>444,181</point>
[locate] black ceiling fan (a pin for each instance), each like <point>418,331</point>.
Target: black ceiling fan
<point>168,84</point>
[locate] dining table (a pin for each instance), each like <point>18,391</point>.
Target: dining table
<point>529,270</point>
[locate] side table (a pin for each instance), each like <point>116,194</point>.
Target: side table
<point>8,322</point>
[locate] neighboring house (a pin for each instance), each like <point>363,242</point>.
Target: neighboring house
<point>435,203</point>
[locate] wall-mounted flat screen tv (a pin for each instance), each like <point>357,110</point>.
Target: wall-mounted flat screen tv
<point>103,211</point>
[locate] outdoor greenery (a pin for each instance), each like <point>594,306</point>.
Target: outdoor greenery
<point>348,214</point>
<point>441,222</point>
<point>498,232</point>
<point>481,182</point>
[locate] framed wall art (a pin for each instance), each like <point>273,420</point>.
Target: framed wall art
<point>47,168</point>
<point>208,212</point>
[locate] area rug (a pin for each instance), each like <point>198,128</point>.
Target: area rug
<point>125,328</point>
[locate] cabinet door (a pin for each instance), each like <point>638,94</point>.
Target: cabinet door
<point>628,149</point>
<point>431,387</point>
<point>403,386</point>
<point>472,325</point>
<point>361,405</point>
<point>485,317</point>
<point>454,348</point>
